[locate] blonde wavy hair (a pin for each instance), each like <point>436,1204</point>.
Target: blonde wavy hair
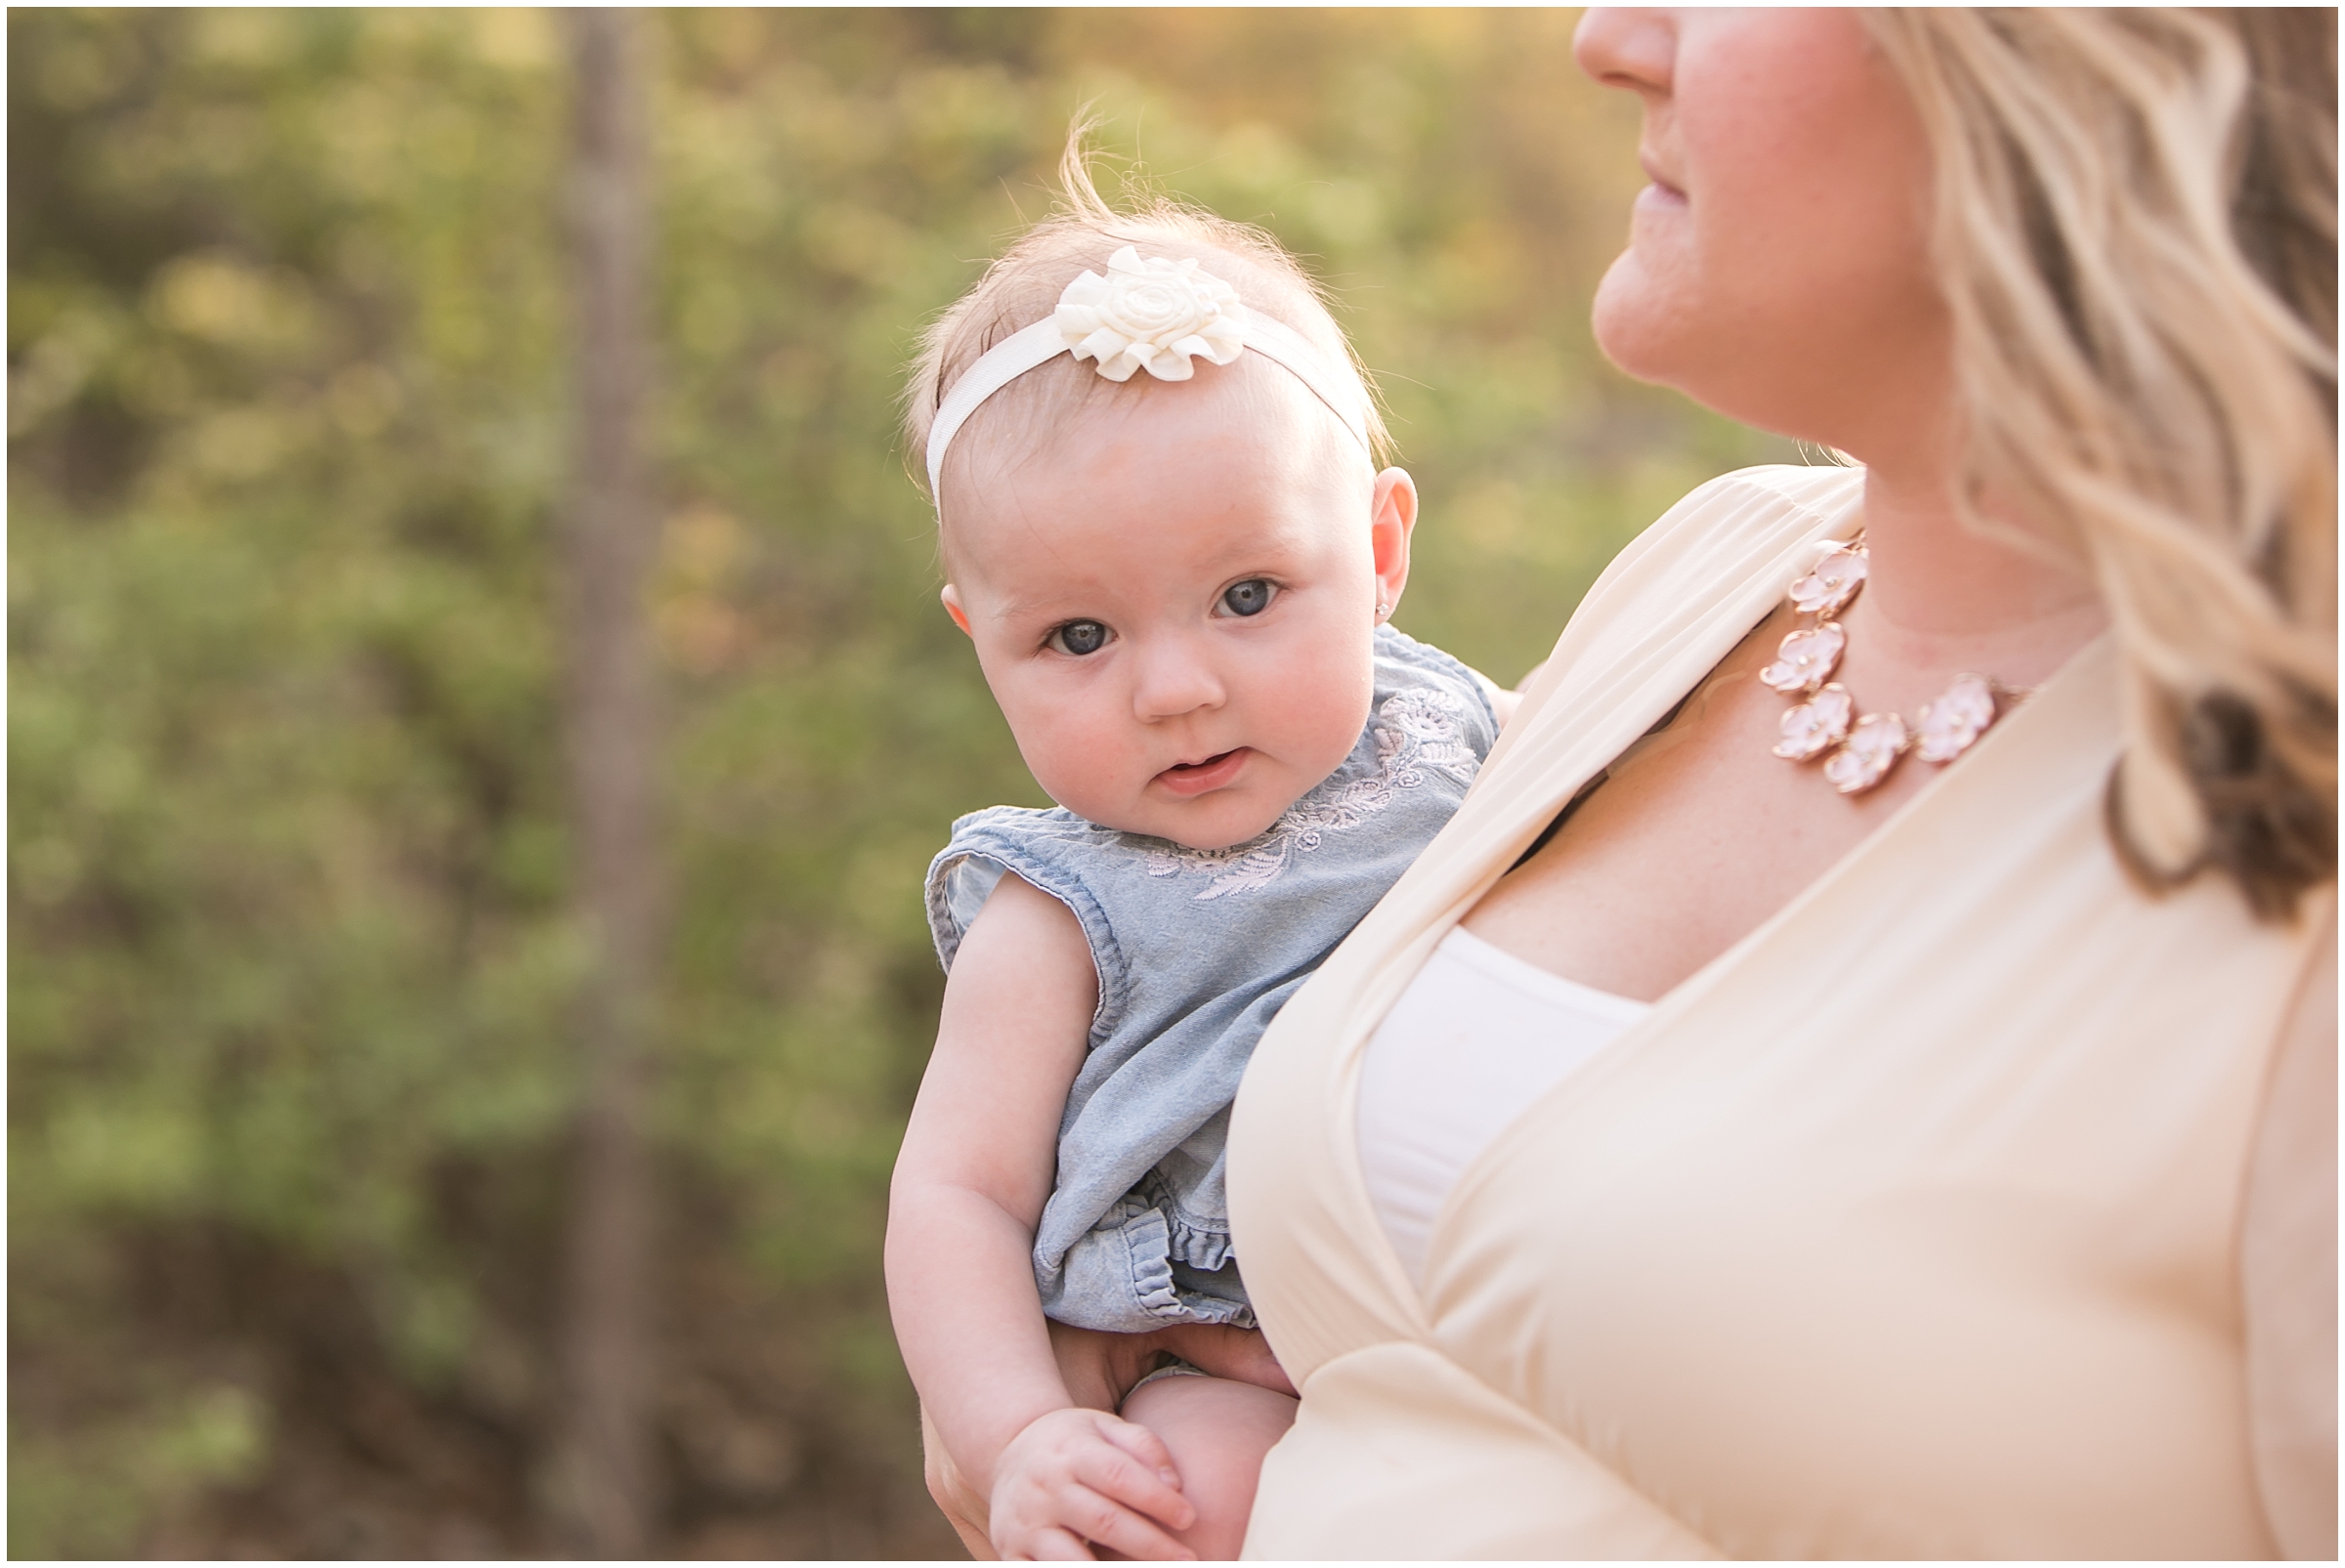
<point>2136,228</point>
<point>1023,284</point>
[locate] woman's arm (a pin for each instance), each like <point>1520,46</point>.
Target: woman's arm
<point>2288,1272</point>
<point>977,1164</point>
<point>1503,703</point>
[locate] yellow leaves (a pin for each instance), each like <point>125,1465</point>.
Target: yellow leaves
<point>1489,515</point>
<point>702,634</point>
<point>1349,212</point>
<point>791,381</point>
<point>513,37</point>
<point>157,381</point>
<point>697,628</point>
<point>947,108</point>
<point>219,298</point>
<point>701,546</point>
<point>119,1153</point>
<point>93,1492</point>
<point>239,444</point>
<point>219,1434</point>
<point>241,36</point>
<point>1480,276</point>
<point>47,870</point>
<point>1256,156</point>
<point>52,371</point>
<point>856,241</point>
<point>445,139</point>
<point>364,138</point>
<point>825,130</point>
<point>363,399</point>
<point>881,890</point>
<point>712,154</point>
<point>86,66</point>
<point>711,317</point>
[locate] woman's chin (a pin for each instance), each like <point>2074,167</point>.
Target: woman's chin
<point>1637,324</point>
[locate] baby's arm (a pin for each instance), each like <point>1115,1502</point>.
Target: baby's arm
<point>977,1166</point>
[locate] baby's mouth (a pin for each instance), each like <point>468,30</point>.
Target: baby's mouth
<point>1196,777</point>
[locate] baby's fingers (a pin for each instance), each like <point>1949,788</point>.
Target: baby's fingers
<point>1146,1447</point>
<point>1075,1471</point>
<point>1105,1522</point>
<point>1135,1468</point>
<point>1056,1546</point>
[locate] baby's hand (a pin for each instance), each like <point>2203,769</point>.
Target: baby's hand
<point>1078,1477</point>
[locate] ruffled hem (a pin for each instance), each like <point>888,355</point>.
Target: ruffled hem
<point>1121,1275</point>
<point>1203,1246</point>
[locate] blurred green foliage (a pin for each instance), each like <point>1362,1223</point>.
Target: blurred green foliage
<point>289,871</point>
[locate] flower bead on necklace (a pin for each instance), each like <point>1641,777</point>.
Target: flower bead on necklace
<point>1859,751</point>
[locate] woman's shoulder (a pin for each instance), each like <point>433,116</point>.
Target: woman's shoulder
<point>1729,539</point>
<point>1823,487</point>
<point>1717,521</point>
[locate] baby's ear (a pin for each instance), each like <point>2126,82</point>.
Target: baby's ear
<point>960,618</point>
<point>1393,518</point>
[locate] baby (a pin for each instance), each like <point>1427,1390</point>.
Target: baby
<point>1177,583</point>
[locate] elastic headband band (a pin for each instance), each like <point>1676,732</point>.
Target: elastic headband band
<point>1157,316</point>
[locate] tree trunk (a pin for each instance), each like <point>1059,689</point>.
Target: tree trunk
<point>604,1495</point>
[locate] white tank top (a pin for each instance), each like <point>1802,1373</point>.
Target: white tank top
<point>1477,1036</point>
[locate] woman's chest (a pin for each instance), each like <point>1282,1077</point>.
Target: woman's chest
<point>1693,840</point>
<point>1943,1251</point>
<point>1699,833</point>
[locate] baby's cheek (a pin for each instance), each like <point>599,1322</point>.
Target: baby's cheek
<point>1072,786</point>
<point>1322,718</point>
<point>1086,770</point>
<point>1053,757</point>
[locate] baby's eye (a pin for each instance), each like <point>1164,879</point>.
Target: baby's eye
<point>1248,597</point>
<point>1078,637</point>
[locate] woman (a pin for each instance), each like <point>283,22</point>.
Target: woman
<point>1945,1167</point>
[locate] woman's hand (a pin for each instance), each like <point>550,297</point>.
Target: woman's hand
<point>1100,1369</point>
<point>1075,1478</point>
<point>1241,1355</point>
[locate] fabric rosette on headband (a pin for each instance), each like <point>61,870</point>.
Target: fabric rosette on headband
<point>1160,315</point>
<point>1155,316</point>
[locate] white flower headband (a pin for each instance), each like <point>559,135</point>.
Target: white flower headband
<point>1156,314</point>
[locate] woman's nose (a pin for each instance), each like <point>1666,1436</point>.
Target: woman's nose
<point>1634,47</point>
<point>1173,678</point>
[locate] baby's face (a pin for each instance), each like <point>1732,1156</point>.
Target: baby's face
<point>1174,605</point>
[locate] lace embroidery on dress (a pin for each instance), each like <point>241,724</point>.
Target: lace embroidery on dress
<point>1415,731</point>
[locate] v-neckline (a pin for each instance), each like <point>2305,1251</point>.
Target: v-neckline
<point>1988,753</point>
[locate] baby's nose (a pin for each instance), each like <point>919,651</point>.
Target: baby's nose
<point>1174,679</point>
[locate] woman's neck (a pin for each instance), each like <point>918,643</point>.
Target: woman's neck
<point>1936,579</point>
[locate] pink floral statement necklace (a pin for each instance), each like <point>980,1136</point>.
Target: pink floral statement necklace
<point>1859,752</point>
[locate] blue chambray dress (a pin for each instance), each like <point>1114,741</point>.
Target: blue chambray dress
<point>1196,949</point>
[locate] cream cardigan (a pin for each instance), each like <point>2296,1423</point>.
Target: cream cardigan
<point>1907,1227</point>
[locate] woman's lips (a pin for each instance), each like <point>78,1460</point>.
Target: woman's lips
<point>1659,197</point>
<point>1663,192</point>
<point>1196,777</point>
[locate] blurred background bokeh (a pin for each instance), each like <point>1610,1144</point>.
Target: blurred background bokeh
<point>293,920</point>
